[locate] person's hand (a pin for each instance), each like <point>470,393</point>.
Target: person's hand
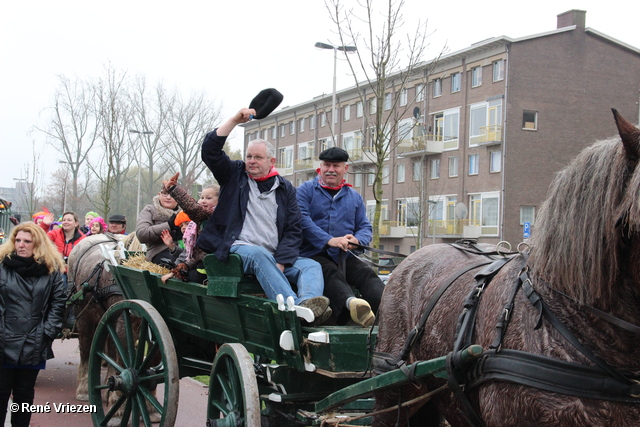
<point>13,220</point>
<point>172,182</point>
<point>244,115</point>
<point>352,240</point>
<point>280,266</point>
<point>48,218</point>
<point>167,239</point>
<point>166,277</point>
<point>180,271</point>
<point>339,242</point>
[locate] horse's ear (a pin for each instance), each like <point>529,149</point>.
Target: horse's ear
<point>629,134</point>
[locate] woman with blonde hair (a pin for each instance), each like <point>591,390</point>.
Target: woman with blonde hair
<point>32,303</point>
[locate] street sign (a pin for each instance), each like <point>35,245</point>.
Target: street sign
<point>526,230</point>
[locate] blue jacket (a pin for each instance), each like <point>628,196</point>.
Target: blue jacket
<point>225,224</point>
<point>325,217</point>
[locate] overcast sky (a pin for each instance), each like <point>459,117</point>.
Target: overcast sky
<point>229,49</point>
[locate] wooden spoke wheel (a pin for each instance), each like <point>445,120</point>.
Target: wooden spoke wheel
<point>142,356</point>
<point>233,389</point>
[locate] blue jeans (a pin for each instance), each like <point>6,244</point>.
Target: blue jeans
<point>305,274</point>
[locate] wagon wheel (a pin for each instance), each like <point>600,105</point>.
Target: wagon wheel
<point>233,389</point>
<point>144,357</point>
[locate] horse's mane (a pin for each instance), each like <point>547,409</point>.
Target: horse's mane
<point>575,240</point>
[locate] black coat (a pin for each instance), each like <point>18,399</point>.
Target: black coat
<point>31,316</point>
<point>225,224</point>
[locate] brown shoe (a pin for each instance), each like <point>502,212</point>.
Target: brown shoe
<point>318,305</point>
<point>361,312</point>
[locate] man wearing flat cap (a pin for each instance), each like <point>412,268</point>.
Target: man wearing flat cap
<point>117,224</point>
<point>334,217</point>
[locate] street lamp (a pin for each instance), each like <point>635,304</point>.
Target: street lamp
<point>148,132</point>
<point>321,45</point>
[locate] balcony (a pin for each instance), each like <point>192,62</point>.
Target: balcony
<point>361,154</point>
<point>394,229</point>
<point>454,228</point>
<point>284,169</point>
<point>489,135</point>
<point>421,146</point>
<point>306,164</point>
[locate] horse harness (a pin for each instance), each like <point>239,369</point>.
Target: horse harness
<point>600,381</point>
<point>99,295</point>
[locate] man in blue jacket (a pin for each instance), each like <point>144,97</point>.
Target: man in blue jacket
<point>333,218</point>
<point>257,217</point>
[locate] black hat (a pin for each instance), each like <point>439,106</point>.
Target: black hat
<point>334,154</point>
<point>265,102</point>
<point>118,218</point>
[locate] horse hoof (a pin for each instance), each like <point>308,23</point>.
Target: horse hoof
<point>82,397</point>
<point>155,417</point>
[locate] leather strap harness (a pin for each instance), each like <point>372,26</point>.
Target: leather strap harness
<point>600,381</point>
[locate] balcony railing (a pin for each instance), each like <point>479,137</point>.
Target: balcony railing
<point>489,135</point>
<point>421,145</point>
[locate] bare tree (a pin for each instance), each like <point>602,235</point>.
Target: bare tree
<point>386,75</point>
<point>113,112</point>
<point>29,185</point>
<point>73,129</point>
<point>187,125</point>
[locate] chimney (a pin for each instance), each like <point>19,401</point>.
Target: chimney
<point>572,17</point>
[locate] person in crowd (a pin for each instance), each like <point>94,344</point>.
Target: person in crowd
<point>97,226</point>
<point>258,218</point>
<point>152,220</point>
<point>32,303</point>
<point>117,224</point>
<point>65,237</point>
<point>189,267</point>
<point>334,218</point>
<point>176,248</point>
<point>86,228</point>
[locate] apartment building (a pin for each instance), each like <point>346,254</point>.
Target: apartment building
<point>478,135</point>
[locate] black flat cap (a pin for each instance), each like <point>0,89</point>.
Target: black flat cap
<point>118,218</point>
<point>334,154</point>
<point>265,102</point>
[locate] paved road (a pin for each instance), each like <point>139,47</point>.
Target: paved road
<point>57,384</point>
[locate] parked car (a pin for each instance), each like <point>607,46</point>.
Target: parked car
<point>386,268</point>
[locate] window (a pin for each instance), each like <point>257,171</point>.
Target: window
<point>435,168</point>
<point>456,81</point>
<point>388,100</point>
<point>485,123</point>
<point>527,214</point>
<point>447,127</point>
<point>453,166</point>
<point>408,212</point>
<point>417,170</point>
<point>274,133</point>
<point>285,160</point>
<point>403,97</point>
<point>419,92</point>
<point>384,209</point>
<point>292,128</point>
<point>373,103</point>
<point>385,174</point>
<point>484,212</point>
<point>476,76</point>
<point>357,180</point>
<point>473,164</point>
<point>495,161</point>
<point>312,122</point>
<point>371,175</point>
<point>323,119</point>
<point>346,113</point>
<point>498,70</point>
<point>530,120</point>
<point>283,131</point>
<point>359,109</point>
<point>437,87</point>
<point>400,173</point>
<point>301,125</point>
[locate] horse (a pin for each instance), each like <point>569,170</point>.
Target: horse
<point>572,304</point>
<point>86,264</point>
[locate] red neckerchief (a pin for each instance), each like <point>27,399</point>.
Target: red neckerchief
<point>272,172</point>
<point>322,184</point>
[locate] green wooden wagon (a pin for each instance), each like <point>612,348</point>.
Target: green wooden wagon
<point>265,367</point>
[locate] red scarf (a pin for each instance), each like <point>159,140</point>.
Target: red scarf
<point>272,172</point>
<point>344,182</point>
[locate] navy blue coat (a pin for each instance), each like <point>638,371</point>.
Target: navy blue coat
<point>225,225</point>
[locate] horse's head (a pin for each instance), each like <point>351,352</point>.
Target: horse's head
<point>586,234</point>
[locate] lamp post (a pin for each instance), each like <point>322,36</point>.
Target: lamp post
<point>148,132</point>
<point>321,45</point>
